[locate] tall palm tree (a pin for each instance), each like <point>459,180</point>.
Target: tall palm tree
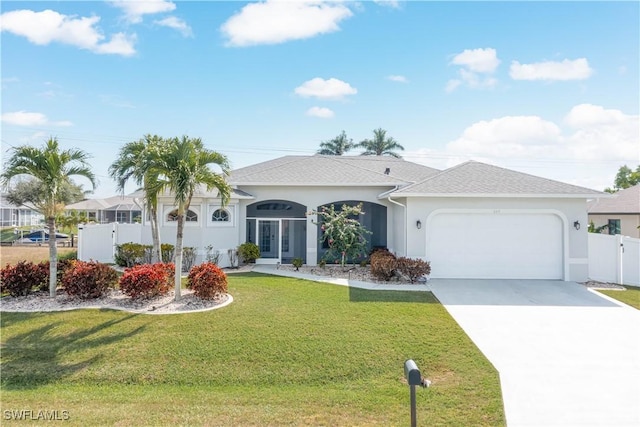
<point>184,165</point>
<point>337,146</point>
<point>136,161</point>
<point>53,169</point>
<point>380,145</point>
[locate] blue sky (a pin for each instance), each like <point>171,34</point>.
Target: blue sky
<point>545,88</point>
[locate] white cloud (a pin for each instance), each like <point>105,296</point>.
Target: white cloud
<point>577,69</point>
<point>478,60</point>
<point>275,21</point>
<point>134,10</point>
<point>588,152</point>
<point>325,89</point>
<point>589,115</point>
<point>475,67</point>
<point>400,79</point>
<point>322,112</point>
<point>25,118</point>
<point>177,24</point>
<point>48,26</point>
<point>395,4</point>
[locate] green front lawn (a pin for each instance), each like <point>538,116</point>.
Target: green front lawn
<point>285,352</point>
<point>631,296</point>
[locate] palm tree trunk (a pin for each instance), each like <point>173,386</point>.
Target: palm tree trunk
<point>156,253</point>
<point>178,255</point>
<point>53,257</point>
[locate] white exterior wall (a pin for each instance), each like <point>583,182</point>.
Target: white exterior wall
<point>312,197</point>
<point>569,210</point>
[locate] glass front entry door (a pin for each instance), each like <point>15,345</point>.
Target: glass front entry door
<point>269,238</point>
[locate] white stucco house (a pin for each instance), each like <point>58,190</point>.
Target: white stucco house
<point>473,220</point>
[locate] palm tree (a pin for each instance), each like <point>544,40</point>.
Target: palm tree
<point>337,146</point>
<point>136,161</point>
<point>380,145</point>
<point>184,165</point>
<point>53,169</point>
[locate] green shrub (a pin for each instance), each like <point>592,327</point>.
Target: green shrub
<point>188,258</point>
<point>148,280</point>
<point>68,255</point>
<point>18,280</point>
<point>130,254</point>
<point>413,268</point>
<point>249,252</point>
<point>297,263</point>
<point>87,280</point>
<point>207,281</point>
<point>166,252</point>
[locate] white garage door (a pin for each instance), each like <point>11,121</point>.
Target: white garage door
<point>495,246</point>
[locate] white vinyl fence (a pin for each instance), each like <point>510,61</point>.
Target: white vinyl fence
<point>98,242</point>
<point>614,259</point>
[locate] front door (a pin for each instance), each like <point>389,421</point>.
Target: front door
<point>269,239</point>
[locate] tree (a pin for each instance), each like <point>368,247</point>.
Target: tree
<point>72,219</point>
<point>184,165</point>
<point>380,145</point>
<point>625,178</point>
<point>52,168</point>
<point>337,146</point>
<point>30,191</point>
<point>342,231</point>
<point>136,160</point>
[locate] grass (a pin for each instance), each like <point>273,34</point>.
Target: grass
<point>13,254</point>
<point>285,352</point>
<point>630,296</point>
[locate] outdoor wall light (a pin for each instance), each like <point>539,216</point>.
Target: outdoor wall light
<point>576,225</point>
<point>418,224</point>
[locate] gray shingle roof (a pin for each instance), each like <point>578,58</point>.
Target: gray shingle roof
<point>624,201</point>
<point>332,170</point>
<point>109,203</point>
<point>475,178</point>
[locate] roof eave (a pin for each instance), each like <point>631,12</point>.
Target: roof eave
<point>497,195</point>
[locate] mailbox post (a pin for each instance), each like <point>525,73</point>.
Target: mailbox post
<point>412,374</point>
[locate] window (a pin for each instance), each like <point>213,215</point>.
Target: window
<point>190,216</point>
<point>220,215</point>
<point>121,217</point>
<point>614,226</point>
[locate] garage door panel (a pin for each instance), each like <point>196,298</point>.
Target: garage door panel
<point>500,246</point>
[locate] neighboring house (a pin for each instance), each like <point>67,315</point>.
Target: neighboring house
<point>620,213</point>
<point>121,209</point>
<point>470,221</point>
<point>18,216</point>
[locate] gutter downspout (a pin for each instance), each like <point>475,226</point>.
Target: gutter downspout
<point>405,219</point>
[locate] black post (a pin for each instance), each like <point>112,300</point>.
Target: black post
<point>412,393</point>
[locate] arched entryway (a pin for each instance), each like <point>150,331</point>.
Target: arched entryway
<point>279,228</point>
<point>373,219</point>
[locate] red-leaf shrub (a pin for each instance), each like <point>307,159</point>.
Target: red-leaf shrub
<point>383,264</point>
<point>18,280</point>
<point>383,267</point>
<point>207,281</point>
<point>147,280</point>
<point>62,266</point>
<point>413,268</point>
<point>88,279</point>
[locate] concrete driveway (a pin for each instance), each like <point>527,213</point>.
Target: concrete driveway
<point>566,355</point>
